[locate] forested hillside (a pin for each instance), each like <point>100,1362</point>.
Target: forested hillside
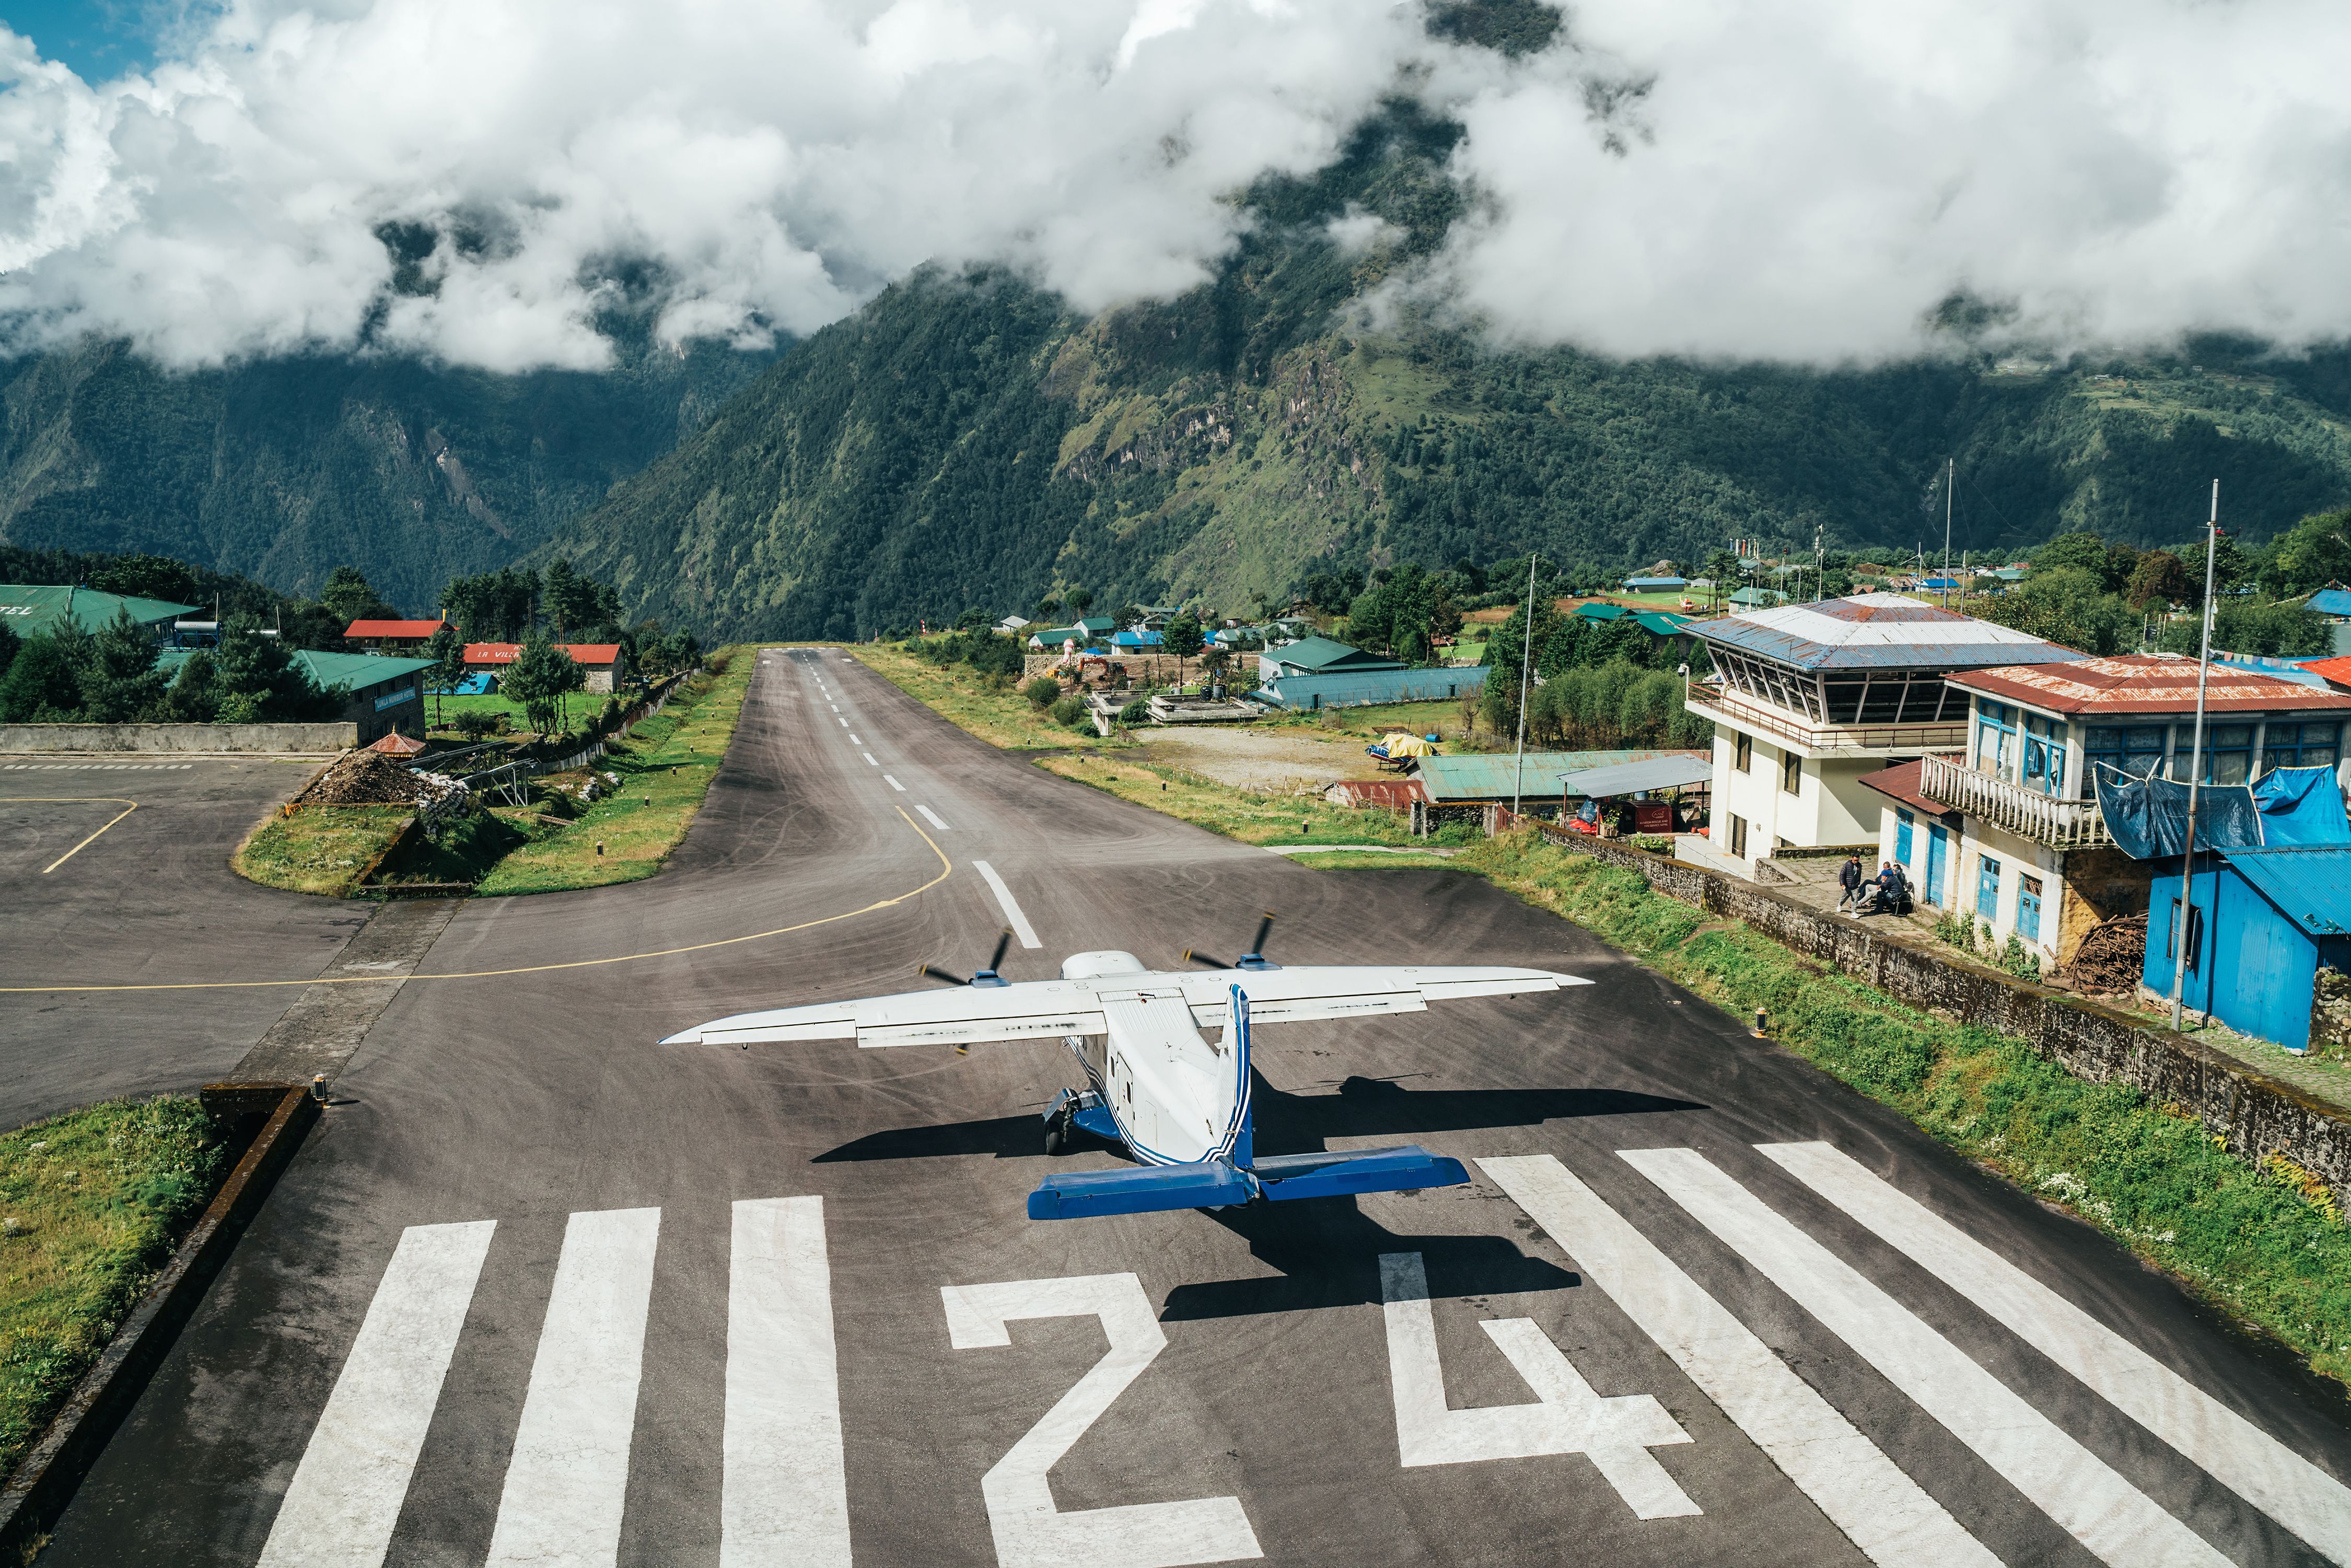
<point>283,469</point>
<point>962,441</point>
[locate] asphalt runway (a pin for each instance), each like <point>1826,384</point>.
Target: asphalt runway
<point>538,1289</point>
<point>150,901</point>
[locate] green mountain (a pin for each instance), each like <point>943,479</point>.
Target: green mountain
<point>964,440</point>
<point>283,469</point>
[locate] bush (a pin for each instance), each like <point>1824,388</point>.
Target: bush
<point>2019,960</point>
<point>474,723</point>
<point>1136,712</point>
<point>1068,712</point>
<point>1042,693</point>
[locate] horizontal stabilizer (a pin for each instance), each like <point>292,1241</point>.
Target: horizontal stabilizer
<point>1080,1195</point>
<point>1343,1171</point>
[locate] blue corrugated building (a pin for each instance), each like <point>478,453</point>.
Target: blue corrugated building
<point>1343,688</point>
<point>2262,924</point>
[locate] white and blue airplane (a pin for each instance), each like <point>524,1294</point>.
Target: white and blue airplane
<point>1174,1100</point>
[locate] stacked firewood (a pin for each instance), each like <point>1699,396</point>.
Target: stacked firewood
<point>2110,956</point>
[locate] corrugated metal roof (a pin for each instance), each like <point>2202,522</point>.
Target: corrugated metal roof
<point>2332,602</point>
<point>1652,773</point>
<point>1877,631</point>
<point>1318,654</point>
<point>34,607</point>
<point>2145,684</point>
<point>2311,887</point>
<point>356,670</point>
<point>1453,779</point>
<point>418,629</point>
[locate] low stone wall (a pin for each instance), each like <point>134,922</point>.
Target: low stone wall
<point>23,738</point>
<point>2256,1114</point>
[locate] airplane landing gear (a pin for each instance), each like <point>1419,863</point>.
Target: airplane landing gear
<point>1057,1129</point>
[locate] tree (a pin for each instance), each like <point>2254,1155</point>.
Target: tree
<point>258,680</point>
<point>9,642</point>
<point>119,683</point>
<point>147,577</point>
<point>2261,627</point>
<point>573,601</point>
<point>1500,702</point>
<point>2069,606</point>
<point>2160,574</point>
<point>1078,599</point>
<point>446,649</point>
<point>348,595</point>
<point>1042,693</point>
<point>1183,638</point>
<point>540,678</point>
<point>2313,553</point>
<point>1127,616</point>
<point>43,684</point>
<point>2084,551</point>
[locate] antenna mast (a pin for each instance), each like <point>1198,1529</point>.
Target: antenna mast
<point>1950,477</point>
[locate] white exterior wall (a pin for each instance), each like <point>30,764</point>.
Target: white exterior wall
<point>2019,858</point>
<point>1830,805</point>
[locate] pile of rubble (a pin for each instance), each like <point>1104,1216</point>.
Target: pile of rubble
<point>372,779</point>
<point>2110,956</point>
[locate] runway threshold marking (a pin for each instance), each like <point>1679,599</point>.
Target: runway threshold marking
<point>1005,901</point>
<point>946,870</point>
<point>2235,1452</point>
<point>128,807</point>
<point>784,1488</point>
<point>2072,1486</point>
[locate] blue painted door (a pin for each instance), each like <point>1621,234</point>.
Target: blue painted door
<point>1988,889</point>
<point>1902,838</point>
<point>1939,852</point>
<point>2028,908</point>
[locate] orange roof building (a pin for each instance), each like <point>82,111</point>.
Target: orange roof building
<point>601,660</point>
<point>393,633</point>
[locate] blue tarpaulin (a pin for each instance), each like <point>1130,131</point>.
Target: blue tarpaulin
<point>2287,806</point>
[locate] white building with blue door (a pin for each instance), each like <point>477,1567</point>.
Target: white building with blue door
<point>2007,830</point>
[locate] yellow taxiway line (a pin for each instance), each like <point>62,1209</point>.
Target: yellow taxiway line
<point>946,868</point>
<point>128,807</point>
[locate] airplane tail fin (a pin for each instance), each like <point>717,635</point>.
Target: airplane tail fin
<point>1214,1184</point>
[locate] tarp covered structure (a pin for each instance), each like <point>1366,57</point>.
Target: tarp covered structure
<point>2286,806</point>
<point>1632,778</point>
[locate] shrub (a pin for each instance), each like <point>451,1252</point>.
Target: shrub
<point>474,723</point>
<point>1136,712</point>
<point>2019,960</point>
<point>1042,693</point>
<point>1070,712</point>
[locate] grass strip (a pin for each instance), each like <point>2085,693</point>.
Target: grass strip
<point>997,713</point>
<point>650,786</point>
<point>91,1203</point>
<point>319,849</point>
<point>1253,819</point>
<point>2262,1240</point>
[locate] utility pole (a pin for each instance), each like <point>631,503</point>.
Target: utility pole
<point>1950,477</point>
<point>1526,669</point>
<point>2180,925</point>
<point>1820,567</point>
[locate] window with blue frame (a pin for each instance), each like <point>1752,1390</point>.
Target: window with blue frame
<point>2043,769</point>
<point>1995,738</point>
<point>2028,908</point>
<point>2300,744</point>
<point>2228,752</point>
<point>1988,888</point>
<point>1903,822</point>
<point>2137,750</point>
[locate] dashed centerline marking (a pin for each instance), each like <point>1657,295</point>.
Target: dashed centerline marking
<point>867,755</point>
<point>95,767</point>
<point>933,818</point>
<point>1020,926</point>
<point>894,784</point>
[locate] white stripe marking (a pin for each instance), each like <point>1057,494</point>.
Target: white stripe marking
<point>1020,926</point>
<point>570,1474</point>
<point>855,739</point>
<point>1882,1511</point>
<point>834,706</point>
<point>785,1495</point>
<point>2105,1512</point>
<point>868,756</point>
<point>844,724</point>
<point>894,784</point>
<point>2235,1452</point>
<point>933,818</point>
<point>347,1492</point>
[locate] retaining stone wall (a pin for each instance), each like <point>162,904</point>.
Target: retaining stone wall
<point>2255,1113</point>
<point>17,738</point>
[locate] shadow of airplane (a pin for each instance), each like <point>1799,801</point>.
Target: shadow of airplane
<point>1290,1123</point>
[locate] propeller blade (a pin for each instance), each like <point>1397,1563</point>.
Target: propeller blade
<point>1257,943</point>
<point>1192,957</point>
<point>996,959</point>
<point>931,972</point>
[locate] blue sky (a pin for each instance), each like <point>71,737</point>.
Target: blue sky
<point>99,40</point>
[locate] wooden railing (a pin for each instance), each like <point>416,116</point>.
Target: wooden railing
<point>2028,813</point>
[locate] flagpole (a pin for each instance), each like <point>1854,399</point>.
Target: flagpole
<point>2180,925</point>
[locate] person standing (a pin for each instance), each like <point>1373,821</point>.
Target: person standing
<point>1849,879</point>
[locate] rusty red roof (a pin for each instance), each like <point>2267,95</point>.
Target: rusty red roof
<point>1397,794</point>
<point>418,629</point>
<point>1900,782</point>
<point>397,745</point>
<point>508,652</point>
<point>2334,672</point>
<point>2144,684</point>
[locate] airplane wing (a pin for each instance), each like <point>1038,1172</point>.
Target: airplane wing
<point>1306,993</point>
<point>1026,1010</point>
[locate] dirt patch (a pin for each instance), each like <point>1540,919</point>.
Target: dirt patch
<point>1267,762</point>
<point>372,779</point>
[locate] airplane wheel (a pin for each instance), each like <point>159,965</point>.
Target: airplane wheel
<point>1057,1134</point>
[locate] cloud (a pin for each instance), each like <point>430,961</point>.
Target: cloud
<point>1809,181</point>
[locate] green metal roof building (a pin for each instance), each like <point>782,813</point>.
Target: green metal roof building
<point>27,608</point>
<point>1317,656</point>
<point>385,692</point>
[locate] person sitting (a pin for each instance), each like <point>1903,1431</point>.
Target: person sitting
<point>1893,890</point>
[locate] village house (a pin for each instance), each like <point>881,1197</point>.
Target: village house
<point>1807,699</point>
<point>601,660</point>
<point>392,636</point>
<point>2017,841</point>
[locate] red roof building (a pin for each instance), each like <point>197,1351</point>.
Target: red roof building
<point>2142,684</point>
<point>601,660</point>
<point>393,633</point>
